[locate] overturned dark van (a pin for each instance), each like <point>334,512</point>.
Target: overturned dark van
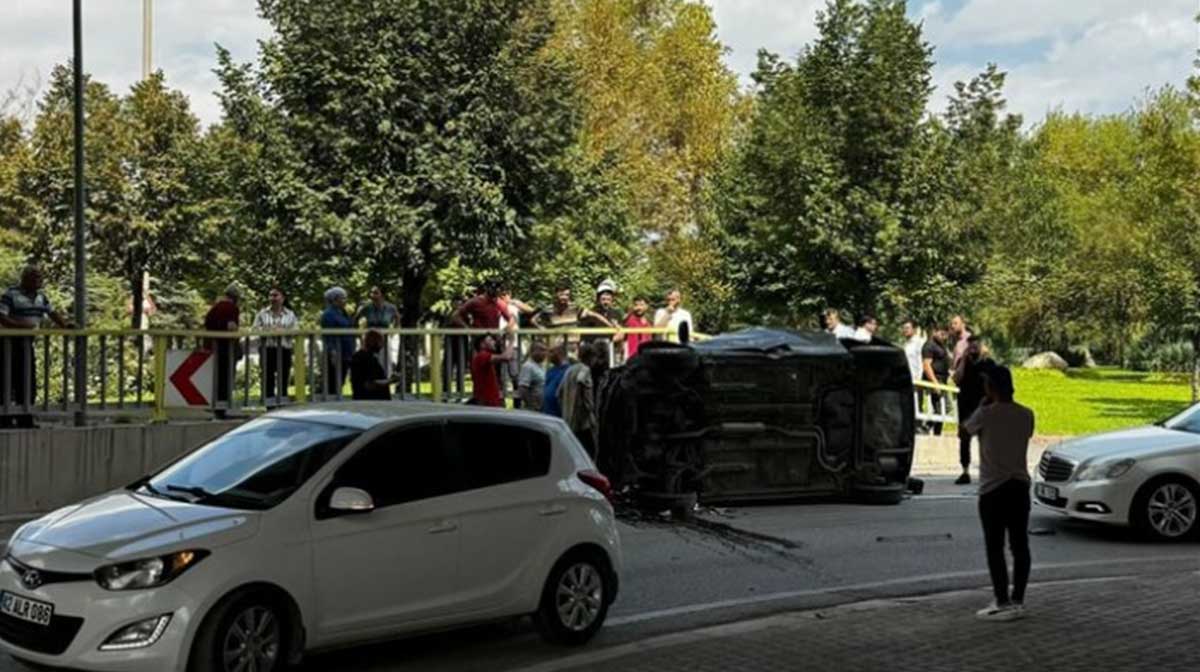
<point>756,415</point>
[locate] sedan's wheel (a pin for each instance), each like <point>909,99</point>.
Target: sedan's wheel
<point>575,600</point>
<point>244,634</point>
<point>1168,509</point>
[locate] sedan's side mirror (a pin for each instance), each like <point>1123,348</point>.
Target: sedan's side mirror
<point>351,500</point>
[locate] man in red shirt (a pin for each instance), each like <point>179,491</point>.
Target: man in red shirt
<point>224,316</point>
<point>637,320</point>
<point>481,312</point>
<point>484,378</point>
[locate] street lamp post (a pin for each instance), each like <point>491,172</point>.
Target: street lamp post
<point>80,252</point>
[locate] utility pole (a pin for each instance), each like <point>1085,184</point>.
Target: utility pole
<point>147,38</point>
<point>81,396</point>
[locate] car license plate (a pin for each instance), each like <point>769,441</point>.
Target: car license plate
<point>1046,491</point>
<point>26,609</point>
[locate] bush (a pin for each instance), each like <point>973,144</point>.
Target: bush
<point>1158,357</point>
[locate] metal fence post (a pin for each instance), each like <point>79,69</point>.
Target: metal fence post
<point>160,379</point>
<point>435,366</point>
<point>299,369</point>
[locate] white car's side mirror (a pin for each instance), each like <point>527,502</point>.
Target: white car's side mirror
<point>351,500</point>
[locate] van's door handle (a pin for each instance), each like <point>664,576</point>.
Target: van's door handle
<point>553,510</point>
<point>443,528</point>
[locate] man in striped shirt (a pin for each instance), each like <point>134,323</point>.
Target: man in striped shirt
<point>23,307</point>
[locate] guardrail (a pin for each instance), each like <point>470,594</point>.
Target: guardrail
<point>250,371</point>
<point>936,404</point>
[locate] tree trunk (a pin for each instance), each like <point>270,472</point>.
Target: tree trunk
<point>139,298</point>
<point>411,291</point>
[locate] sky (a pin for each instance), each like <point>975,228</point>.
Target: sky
<point>1090,56</point>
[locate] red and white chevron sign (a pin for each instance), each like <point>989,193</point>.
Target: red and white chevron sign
<point>189,377</point>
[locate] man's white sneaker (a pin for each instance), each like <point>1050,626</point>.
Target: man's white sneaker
<point>998,612</point>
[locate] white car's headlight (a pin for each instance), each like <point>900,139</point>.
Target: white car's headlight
<point>147,573</point>
<point>1105,470</point>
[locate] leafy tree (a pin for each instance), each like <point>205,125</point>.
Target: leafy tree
<point>15,208</point>
<point>834,193</point>
<point>414,131</point>
<point>659,102</point>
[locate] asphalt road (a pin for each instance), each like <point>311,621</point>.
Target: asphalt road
<point>738,563</point>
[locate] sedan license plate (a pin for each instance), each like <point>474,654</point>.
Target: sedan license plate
<point>1046,491</point>
<point>26,609</point>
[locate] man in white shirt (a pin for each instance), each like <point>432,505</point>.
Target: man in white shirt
<point>675,318</point>
<point>835,326</point>
<point>531,383</point>
<point>867,327</point>
<point>913,345</point>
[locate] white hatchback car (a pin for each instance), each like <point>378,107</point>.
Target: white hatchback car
<point>318,528</point>
<point>1146,477</point>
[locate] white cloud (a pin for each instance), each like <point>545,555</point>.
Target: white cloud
<point>1087,55</point>
<point>780,26</point>
<point>36,35</point>
<point>1103,66</point>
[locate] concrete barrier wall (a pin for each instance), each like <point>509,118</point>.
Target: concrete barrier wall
<point>43,469</point>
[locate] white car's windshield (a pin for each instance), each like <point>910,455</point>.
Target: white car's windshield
<point>1187,421</point>
<point>255,466</point>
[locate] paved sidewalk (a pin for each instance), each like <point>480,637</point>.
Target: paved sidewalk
<point>1110,625</point>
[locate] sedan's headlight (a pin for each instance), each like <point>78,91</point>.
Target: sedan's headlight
<point>147,573</point>
<point>1105,471</point>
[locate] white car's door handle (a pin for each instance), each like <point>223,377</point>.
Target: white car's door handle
<point>553,510</point>
<point>443,528</point>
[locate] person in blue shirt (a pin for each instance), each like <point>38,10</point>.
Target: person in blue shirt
<point>339,350</point>
<point>554,377</point>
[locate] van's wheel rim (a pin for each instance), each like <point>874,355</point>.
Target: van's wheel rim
<point>252,641</point>
<point>1172,510</point>
<point>579,597</point>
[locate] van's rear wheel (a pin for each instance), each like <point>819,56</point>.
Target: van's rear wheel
<point>575,600</point>
<point>884,494</point>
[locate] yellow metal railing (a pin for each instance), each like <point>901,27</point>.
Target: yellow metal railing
<point>432,361</point>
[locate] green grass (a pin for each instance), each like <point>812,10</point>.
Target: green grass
<point>1094,400</point>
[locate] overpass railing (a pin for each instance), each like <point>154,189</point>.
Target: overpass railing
<point>136,376</point>
<point>935,403</point>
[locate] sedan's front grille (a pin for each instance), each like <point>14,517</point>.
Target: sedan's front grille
<point>1055,469</point>
<point>50,639</point>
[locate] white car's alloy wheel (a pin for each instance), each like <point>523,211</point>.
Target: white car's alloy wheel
<point>252,641</point>
<point>1171,510</point>
<point>580,597</point>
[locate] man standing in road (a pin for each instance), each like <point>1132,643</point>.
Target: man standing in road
<point>1004,428</point>
<point>485,378</point>
<point>23,307</point>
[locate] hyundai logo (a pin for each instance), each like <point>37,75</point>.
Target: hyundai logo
<point>32,579</point>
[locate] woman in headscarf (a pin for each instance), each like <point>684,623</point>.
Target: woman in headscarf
<point>339,350</point>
